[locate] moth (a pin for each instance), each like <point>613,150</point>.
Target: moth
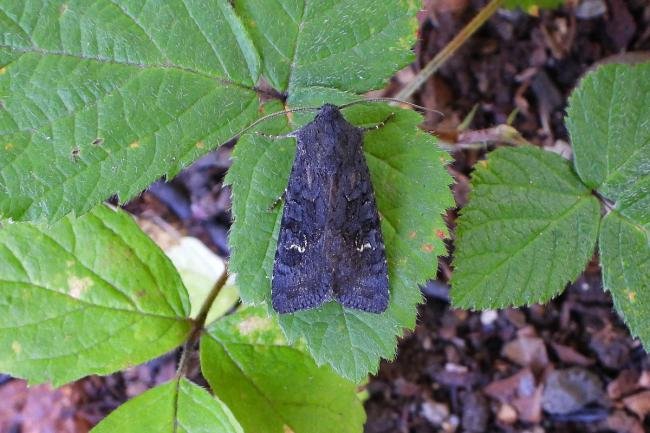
<point>330,245</point>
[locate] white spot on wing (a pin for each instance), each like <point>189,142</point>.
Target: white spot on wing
<point>299,248</point>
<point>364,247</point>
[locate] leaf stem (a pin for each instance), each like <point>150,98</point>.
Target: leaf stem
<point>449,49</point>
<point>199,323</point>
<point>607,204</point>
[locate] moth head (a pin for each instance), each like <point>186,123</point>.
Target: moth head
<point>329,112</point>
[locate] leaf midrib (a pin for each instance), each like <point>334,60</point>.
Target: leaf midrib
<point>91,305</point>
<point>112,61</point>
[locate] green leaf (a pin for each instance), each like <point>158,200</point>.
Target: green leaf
<point>68,308</point>
<point>101,98</point>
<point>105,97</point>
<point>270,386</point>
<point>175,407</point>
<point>625,259</point>
<point>530,227</point>
<point>353,46</point>
<point>608,118</point>
<point>530,4</point>
<point>411,188</point>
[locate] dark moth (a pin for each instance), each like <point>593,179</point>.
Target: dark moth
<point>330,245</point>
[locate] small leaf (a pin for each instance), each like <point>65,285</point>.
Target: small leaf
<point>102,98</point>
<point>625,259</point>
<point>270,386</point>
<point>175,407</point>
<point>411,188</point>
<point>609,122</point>
<point>351,46</point>
<point>85,296</point>
<point>529,228</point>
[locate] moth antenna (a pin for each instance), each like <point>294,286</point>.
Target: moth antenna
<point>360,101</point>
<point>386,99</point>
<point>271,116</point>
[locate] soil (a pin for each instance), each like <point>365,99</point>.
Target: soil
<point>525,370</point>
<point>568,366</point>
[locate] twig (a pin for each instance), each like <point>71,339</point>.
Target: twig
<point>449,49</point>
<point>199,323</point>
<point>197,327</point>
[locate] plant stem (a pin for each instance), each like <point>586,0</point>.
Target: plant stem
<point>207,304</point>
<point>199,323</point>
<point>449,49</point>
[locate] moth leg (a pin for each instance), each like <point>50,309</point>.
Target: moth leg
<point>380,124</point>
<point>277,201</point>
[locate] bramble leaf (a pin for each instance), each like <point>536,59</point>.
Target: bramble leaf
<point>354,46</point>
<point>328,53</point>
<point>530,227</point>
<point>67,307</point>
<point>175,407</point>
<point>411,188</point>
<point>101,98</point>
<point>98,99</point>
<point>270,386</point>
<point>609,122</point>
<point>625,258</point>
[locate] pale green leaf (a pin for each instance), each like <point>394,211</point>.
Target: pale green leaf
<point>609,122</point>
<point>175,407</point>
<point>200,269</point>
<point>411,187</point>
<point>344,45</point>
<point>529,228</point>
<point>625,259</point>
<point>272,387</point>
<point>68,308</point>
<point>104,97</point>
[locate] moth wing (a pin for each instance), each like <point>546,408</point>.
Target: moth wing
<point>362,272</point>
<point>299,280</point>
